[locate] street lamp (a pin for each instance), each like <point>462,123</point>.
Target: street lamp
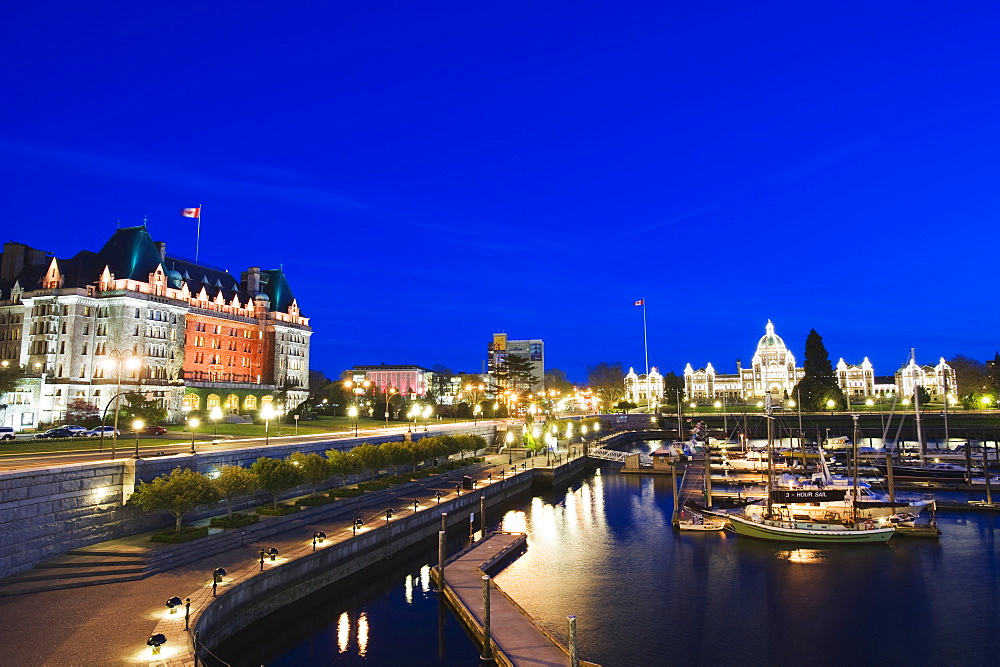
<point>136,426</point>
<point>193,424</point>
<point>216,415</point>
<point>353,412</point>
<point>267,412</point>
<point>116,360</point>
<point>475,413</point>
<point>388,403</point>
<point>427,416</point>
<point>510,453</point>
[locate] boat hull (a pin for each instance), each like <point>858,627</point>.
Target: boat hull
<point>774,532</point>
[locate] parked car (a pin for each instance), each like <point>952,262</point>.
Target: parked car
<point>56,433</point>
<point>6,433</point>
<point>109,432</point>
<point>77,430</point>
<point>153,429</point>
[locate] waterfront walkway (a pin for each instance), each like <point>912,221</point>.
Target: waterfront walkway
<point>109,624</point>
<point>516,638</point>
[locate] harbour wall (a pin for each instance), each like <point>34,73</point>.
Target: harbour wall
<point>46,512</point>
<point>251,600</point>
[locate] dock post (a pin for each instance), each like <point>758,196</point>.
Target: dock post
<point>442,552</point>
<point>574,661</point>
<point>487,653</point>
<point>444,521</point>
<point>482,515</point>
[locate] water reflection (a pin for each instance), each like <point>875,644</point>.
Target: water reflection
<point>343,632</point>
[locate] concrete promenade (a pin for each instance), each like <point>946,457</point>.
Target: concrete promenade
<point>516,638</point>
<point>109,624</point>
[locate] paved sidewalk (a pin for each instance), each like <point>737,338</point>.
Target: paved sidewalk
<point>109,624</point>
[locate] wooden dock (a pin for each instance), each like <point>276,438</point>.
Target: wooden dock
<point>516,638</point>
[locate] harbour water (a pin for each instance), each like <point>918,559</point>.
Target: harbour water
<point>603,549</point>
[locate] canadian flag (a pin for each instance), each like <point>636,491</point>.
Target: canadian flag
<point>191,212</point>
<point>640,302</point>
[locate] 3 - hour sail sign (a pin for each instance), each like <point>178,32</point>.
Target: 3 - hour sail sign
<point>810,495</point>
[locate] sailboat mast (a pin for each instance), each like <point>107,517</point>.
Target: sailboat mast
<point>770,461</point>
<point>921,445</point>
<point>854,469</point>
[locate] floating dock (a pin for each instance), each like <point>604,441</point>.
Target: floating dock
<point>515,637</point>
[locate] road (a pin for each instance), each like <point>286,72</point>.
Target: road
<point>172,445</point>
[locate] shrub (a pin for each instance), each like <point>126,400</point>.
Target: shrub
<point>186,535</point>
<point>374,486</point>
<point>281,510</point>
<point>315,501</point>
<point>347,493</point>
<point>237,521</point>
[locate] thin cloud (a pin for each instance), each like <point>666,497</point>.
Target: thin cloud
<point>182,176</point>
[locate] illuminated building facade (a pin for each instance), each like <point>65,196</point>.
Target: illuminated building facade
<point>198,336</point>
<point>644,389</point>
<point>773,372</point>
<point>531,350</point>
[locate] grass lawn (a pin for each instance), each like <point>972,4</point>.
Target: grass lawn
<point>178,434</point>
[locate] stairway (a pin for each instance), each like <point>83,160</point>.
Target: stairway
<point>87,566</point>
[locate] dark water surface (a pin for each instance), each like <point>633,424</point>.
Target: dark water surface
<point>643,594</point>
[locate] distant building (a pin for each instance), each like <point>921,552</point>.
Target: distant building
<point>773,371</point>
<point>644,389</point>
<point>409,381</point>
<point>197,336</point>
<point>531,350</point>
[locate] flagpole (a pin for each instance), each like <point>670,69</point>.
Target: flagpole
<point>645,342</point>
<point>197,240</point>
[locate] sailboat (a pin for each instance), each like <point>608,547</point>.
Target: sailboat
<point>783,524</point>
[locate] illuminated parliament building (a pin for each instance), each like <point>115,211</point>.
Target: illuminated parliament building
<point>185,334</point>
<point>773,372</point>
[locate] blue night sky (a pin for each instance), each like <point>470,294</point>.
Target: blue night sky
<point>430,173</point>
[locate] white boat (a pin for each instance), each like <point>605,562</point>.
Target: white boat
<point>699,523</point>
<point>778,522</point>
<point>837,497</point>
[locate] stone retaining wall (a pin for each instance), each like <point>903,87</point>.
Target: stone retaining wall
<point>46,512</point>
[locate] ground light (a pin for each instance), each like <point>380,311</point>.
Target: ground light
<point>217,575</point>
<point>358,524</point>
<point>173,603</point>
<point>155,642</point>
<point>273,553</point>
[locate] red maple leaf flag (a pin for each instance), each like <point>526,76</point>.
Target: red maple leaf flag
<point>191,212</point>
<point>640,302</point>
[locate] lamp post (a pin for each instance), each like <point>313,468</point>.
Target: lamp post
<point>216,415</point>
<point>136,426</point>
<point>475,413</point>
<point>193,424</point>
<point>267,412</point>
<point>510,440</point>
<point>116,361</point>
<point>353,412</point>
<point>388,403</point>
<point>427,416</point>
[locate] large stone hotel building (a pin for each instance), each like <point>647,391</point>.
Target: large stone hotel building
<point>188,335</point>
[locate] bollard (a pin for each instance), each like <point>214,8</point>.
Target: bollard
<point>187,613</point>
<point>442,552</point>
<point>487,653</point>
<point>482,516</point>
<point>574,661</point>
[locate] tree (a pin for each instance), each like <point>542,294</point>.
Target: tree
<point>137,407</point>
<point>607,381</point>
<point>555,379</point>
<point>395,454</point>
<point>81,412</point>
<point>515,372</point>
<point>178,493</point>
<point>625,406</point>
<point>10,377</point>
<point>275,476</point>
<point>818,384</point>
<point>971,376</point>
<point>369,457</point>
<point>342,465</point>
<point>234,482</point>
<point>672,383</point>
<point>314,468</point>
